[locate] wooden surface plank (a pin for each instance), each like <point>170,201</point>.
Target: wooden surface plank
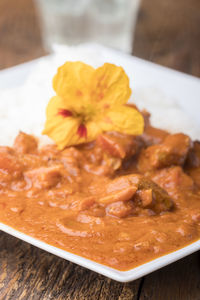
<point>167,33</point>
<point>20,38</point>
<point>177,281</point>
<point>27,272</point>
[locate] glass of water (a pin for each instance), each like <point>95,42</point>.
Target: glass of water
<point>71,22</point>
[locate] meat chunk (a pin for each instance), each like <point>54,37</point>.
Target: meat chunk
<point>173,151</point>
<point>49,152</point>
<point>174,180</point>
<point>132,194</point>
<point>10,167</point>
<point>123,195</point>
<point>123,182</point>
<point>146,115</point>
<point>120,189</point>
<point>193,159</point>
<point>71,159</point>
<point>146,197</point>
<point>153,136</point>
<point>120,209</point>
<point>152,196</point>
<point>194,173</point>
<point>44,177</point>
<point>99,162</point>
<point>119,145</point>
<point>25,143</point>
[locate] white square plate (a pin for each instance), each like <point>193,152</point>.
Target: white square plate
<point>184,88</point>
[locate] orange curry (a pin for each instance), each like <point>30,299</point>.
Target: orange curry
<point>121,200</point>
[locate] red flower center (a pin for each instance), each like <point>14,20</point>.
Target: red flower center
<point>82,131</point>
<point>64,112</point>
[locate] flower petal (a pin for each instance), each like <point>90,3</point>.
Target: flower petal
<point>65,130</point>
<point>110,86</point>
<point>57,126</point>
<point>64,133</point>
<point>123,119</point>
<point>55,106</point>
<point>72,82</point>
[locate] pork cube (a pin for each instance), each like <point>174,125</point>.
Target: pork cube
<point>132,194</point>
<point>71,159</point>
<point>173,151</point>
<point>123,195</point>
<point>120,209</point>
<point>146,197</point>
<point>153,136</point>
<point>193,159</point>
<point>152,196</point>
<point>119,145</point>
<point>25,143</point>
<point>10,167</point>
<point>173,179</point>
<point>44,177</point>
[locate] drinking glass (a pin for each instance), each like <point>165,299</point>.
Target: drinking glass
<point>71,22</point>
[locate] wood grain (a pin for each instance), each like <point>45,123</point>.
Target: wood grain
<point>177,281</point>
<point>168,33</point>
<point>27,272</point>
<point>20,38</point>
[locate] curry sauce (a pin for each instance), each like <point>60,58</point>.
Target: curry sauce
<point>121,200</point>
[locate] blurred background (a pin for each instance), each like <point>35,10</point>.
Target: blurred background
<point>166,32</point>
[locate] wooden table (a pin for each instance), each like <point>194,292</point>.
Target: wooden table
<point>168,33</point>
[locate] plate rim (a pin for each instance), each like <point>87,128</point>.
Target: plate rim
<point>122,276</point>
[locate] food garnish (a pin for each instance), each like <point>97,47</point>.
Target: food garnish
<point>88,102</point>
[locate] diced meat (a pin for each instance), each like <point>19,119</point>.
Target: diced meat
<point>150,195</point>
<point>71,159</point>
<point>6,149</point>
<point>141,192</point>
<point>44,177</point>
<point>110,145</point>
<point>120,209</point>
<point>173,151</point>
<point>146,115</point>
<point>119,145</point>
<point>123,182</point>
<point>98,162</point>
<point>10,166</point>
<point>101,163</point>
<point>95,156</point>
<point>85,203</point>
<point>146,197</point>
<point>101,170</point>
<point>30,161</point>
<point>193,159</point>
<point>153,136</point>
<point>80,202</point>
<point>195,175</point>
<point>174,180</point>
<point>25,143</point>
<point>49,152</point>
<point>123,195</point>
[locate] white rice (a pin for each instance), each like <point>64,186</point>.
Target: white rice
<point>23,108</point>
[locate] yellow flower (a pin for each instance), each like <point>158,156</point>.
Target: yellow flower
<point>89,101</point>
